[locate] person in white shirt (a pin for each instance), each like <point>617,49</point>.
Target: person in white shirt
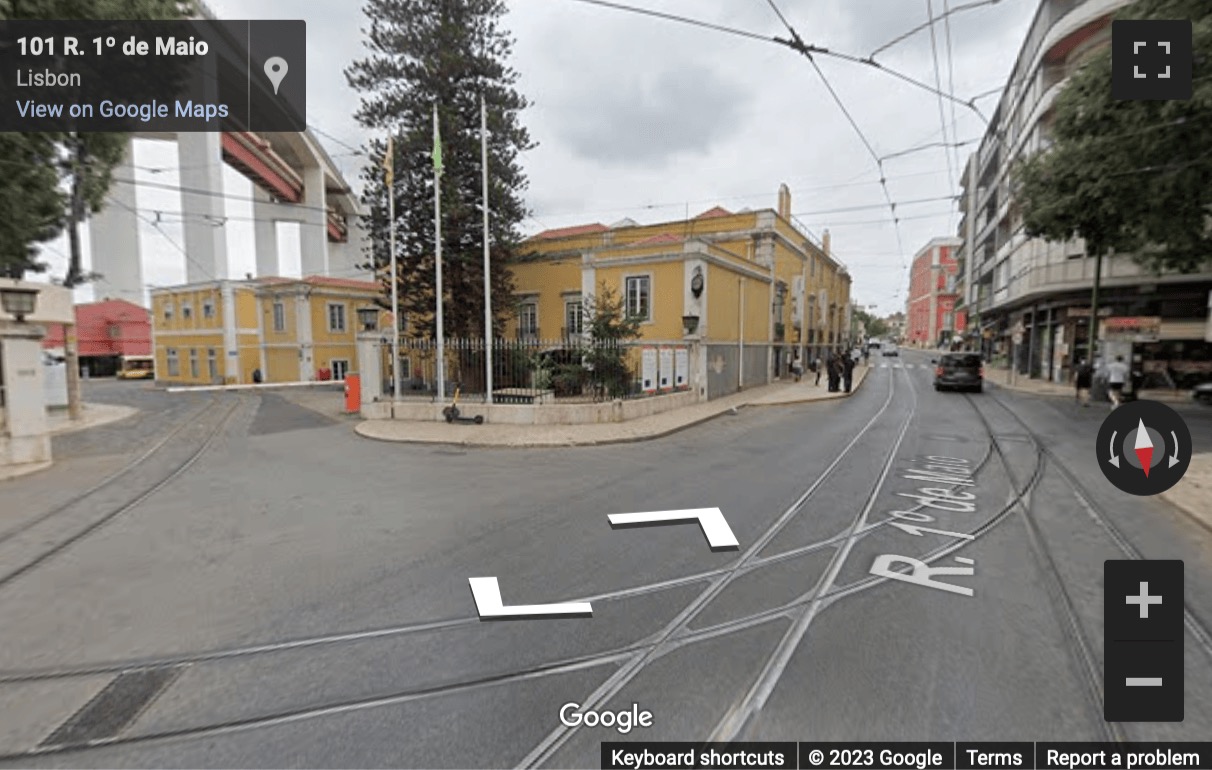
<point>1117,375</point>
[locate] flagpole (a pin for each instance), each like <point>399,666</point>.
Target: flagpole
<point>395,280</point>
<point>437,224</point>
<point>488,335</point>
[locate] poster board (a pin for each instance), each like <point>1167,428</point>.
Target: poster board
<point>665,370</point>
<point>648,369</point>
<point>681,368</point>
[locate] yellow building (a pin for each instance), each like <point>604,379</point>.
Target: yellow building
<point>288,329</point>
<point>748,286</point>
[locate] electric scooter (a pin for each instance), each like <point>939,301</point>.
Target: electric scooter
<point>452,413</point>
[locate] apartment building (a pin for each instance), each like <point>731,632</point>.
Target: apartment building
<point>932,318</point>
<point>1012,283</point>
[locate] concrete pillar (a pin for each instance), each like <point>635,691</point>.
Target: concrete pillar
<point>231,350</point>
<point>303,329</point>
<point>266,233</point>
<point>344,258</point>
<point>202,205</point>
<point>25,437</point>
<point>370,366</point>
<point>113,238</point>
<point>313,227</point>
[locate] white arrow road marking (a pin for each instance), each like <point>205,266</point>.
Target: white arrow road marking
<point>719,536</point>
<point>1174,457</point>
<point>917,532</point>
<point>1114,458</point>
<point>487,593</point>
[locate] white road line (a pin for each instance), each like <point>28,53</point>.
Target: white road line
<point>1144,681</point>
<point>615,683</point>
<point>761,689</point>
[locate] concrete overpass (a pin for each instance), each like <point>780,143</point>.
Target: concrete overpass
<point>293,180</point>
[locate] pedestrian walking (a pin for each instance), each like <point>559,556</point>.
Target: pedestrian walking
<point>797,367</point>
<point>1117,375</point>
<point>848,372</point>
<point>1082,379</point>
<point>816,369</point>
<point>835,372</point>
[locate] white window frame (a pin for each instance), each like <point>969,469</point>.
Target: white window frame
<point>168,311</point>
<point>533,329</point>
<point>332,366</point>
<point>193,363</point>
<point>174,362</point>
<point>405,367</point>
<point>187,311</point>
<point>627,279</point>
<point>208,308</point>
<point>344,317</point>
<point>279,316</point>
<point>569,305</point>
<point>212,364</point>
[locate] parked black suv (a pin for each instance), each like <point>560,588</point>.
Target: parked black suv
<point>959,371</point>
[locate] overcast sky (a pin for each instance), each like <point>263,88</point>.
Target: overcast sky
<point>649,119</point>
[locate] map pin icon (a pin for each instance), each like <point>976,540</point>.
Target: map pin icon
<point>275,70</point>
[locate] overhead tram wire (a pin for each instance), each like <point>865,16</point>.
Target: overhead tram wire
<point>800,46</point>
<point>795,43</point>
<point>951,77</point>
<point>947,13</point>
<point>874,156</point>
<point>938,82</point>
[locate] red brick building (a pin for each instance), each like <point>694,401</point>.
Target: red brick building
<point>930,315</point>
<point>106,331</point>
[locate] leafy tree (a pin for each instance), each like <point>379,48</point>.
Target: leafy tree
<point>84,161</point>
<point>609,328</point>
<point>31,204</point>
<point>876,327</point>
<point>448,53</point>
<point>1129,176</point>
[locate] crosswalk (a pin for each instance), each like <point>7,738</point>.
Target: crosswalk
<point>899,366</point>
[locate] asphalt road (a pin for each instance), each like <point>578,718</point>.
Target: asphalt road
<point>293,595</point>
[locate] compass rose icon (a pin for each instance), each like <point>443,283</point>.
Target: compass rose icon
<point>1144,447</point>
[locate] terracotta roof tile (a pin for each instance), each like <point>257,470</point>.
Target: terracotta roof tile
<point>568,232</point>
<point>658,238</point>
<point>714,212</point>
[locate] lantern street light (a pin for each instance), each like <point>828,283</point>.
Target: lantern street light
<point>18,301</point>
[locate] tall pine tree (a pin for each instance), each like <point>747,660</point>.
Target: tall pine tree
<point>448,53</point>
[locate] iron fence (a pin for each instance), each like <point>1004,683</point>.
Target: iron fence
<point>528,370</point>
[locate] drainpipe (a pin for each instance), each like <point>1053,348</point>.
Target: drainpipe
<point>740,337</point>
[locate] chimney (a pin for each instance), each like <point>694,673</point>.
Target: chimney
<point>825,243</point>
<point>784,202</point>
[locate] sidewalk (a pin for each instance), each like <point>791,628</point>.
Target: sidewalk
<point>1193,493</point>
<point>642,429</point>
<point>91,416</point>
<point>1023,384</point>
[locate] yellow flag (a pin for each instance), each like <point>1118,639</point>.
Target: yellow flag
<point>389,162</point>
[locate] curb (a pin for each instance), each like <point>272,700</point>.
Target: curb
<point>119,414</point>
<point>607,442</point>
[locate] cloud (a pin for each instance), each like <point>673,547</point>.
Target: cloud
<point>653,118</point>
<point>650,119</point>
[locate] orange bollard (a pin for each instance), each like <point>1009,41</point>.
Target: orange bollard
<point>353,393</point>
